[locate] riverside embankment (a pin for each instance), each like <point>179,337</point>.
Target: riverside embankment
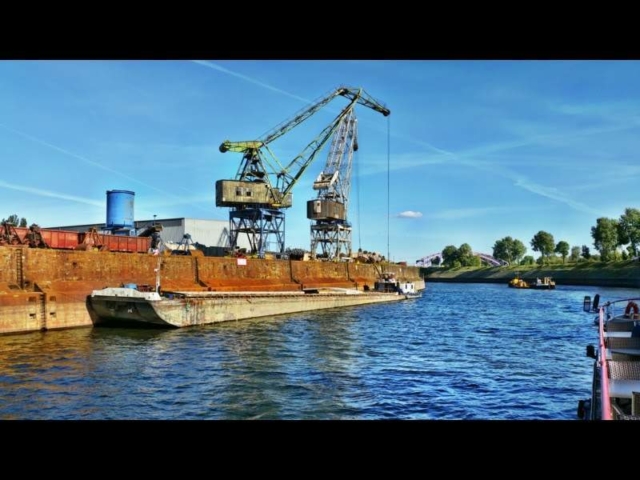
<point>611,274</point>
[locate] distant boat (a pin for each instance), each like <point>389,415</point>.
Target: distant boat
<point>547,283</point>
<point>387,283</point>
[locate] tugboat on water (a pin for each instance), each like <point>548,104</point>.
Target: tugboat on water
<point>547,283</point>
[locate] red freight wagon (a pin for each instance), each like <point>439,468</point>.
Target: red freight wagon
<point>122,243</point>
<point>22,232</point>
<point>60,238</point>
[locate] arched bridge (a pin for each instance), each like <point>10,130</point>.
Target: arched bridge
<point>427,261</point>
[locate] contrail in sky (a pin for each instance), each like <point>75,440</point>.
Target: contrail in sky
<point>205,63</point>
<point>47,193</point>
<point>90,162</point>
<point>219,68</point>
<point>86,160</point>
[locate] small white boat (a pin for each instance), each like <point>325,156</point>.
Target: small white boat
<point>388,283</point>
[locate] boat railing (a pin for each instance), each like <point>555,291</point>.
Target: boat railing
<point>616,305</point>
<point>606,312</point>
<point>605,401</point>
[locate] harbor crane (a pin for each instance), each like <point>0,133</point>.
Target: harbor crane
<point>331,231</point>
<point>263,187</point>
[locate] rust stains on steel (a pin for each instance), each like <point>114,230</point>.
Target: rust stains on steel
<point>48,288</point>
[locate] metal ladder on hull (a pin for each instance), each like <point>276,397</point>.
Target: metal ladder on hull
<point>19,272</point>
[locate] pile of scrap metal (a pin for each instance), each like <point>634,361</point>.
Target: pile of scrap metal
<point>91,240</point>
<point>34,237</point>
<point>9,235</point>
<point>12,235</point>
<point>186,247</point>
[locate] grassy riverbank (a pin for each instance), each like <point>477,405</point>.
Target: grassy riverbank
<point>612,274</point>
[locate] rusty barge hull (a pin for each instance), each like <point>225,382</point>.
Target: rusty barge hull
<point>188,309</point>
<point>42,289</point>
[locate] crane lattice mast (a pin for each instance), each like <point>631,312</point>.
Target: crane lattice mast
<point>331,231</point>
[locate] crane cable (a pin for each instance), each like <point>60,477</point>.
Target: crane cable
<point>388,187</point>
<point>357,162</point>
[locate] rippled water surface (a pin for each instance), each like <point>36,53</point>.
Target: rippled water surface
<point>462,351</point>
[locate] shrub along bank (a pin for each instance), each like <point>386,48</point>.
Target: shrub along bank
<point>604,274</point>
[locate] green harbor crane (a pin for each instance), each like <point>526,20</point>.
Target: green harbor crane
<point>263,187</point>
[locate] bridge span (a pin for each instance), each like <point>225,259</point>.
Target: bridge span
<point>428,260</point>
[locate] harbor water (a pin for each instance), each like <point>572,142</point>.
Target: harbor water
<point>460,352</point>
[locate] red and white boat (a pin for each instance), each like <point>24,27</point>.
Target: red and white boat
<point>615,391</point>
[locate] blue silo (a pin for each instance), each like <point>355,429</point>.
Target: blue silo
<point>120,210</point>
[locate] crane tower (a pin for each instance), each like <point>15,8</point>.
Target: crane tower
<point>331,232</point>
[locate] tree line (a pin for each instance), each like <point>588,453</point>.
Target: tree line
<point>15,221</point>
<point>614,239</point>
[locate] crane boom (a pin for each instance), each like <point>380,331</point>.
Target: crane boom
<point>286,179</point>
<point>357,94</point>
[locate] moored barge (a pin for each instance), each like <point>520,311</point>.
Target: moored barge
<point>129,305</point>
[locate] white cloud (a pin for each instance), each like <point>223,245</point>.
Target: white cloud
<point>410,214</point>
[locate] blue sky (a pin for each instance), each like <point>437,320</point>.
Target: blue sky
<point>472,152</point>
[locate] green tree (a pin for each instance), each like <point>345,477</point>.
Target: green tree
<point>543,242</point>
<point>527,260</point>
<point>509,250</point>
<point>501,249</point>
<point>605,237</point>
<point>518,250</point>
<point>629,229</point>
<point>563,249</point>
<point>435,261</point>
<point>14,220</point>
<point>586,254</point>
<point>465,255</point>
<point>575,254</point>
<point>449,255</point>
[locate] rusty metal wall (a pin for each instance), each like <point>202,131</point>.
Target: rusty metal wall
<point>8,266</point>
<point>20,312</point>
<point>302,271</point>
<point>245,274</point>
<point>44,265</point>
<point>229,268</point>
